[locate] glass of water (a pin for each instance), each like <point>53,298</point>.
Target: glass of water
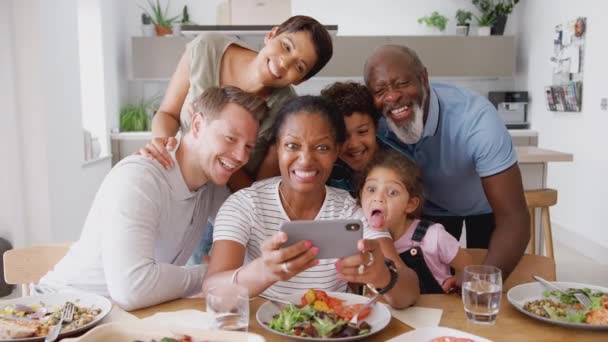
<point>229,305</point>
<point>481,293</point>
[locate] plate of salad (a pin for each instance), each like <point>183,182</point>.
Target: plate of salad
<point>562,308</point>
<point>323,316</point>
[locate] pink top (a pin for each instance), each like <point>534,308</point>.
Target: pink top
<point>438,247</point>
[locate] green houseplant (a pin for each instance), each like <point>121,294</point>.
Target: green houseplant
<point>160,17</point>
<point>434,20</point>
<point>495,12</point>
<point>134,117</point>
<point>463,19</point>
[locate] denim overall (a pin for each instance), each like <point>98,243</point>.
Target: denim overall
<point>414,259</point>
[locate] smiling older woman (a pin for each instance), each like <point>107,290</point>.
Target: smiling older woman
<point>247,242</point>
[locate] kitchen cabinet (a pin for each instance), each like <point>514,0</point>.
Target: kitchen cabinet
<point>155,58</point>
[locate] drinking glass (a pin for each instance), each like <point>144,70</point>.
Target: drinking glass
<point>229,306</point>
<point>481,293</point>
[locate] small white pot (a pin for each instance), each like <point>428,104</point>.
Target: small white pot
<point>484,30</point>
<point>148,30</point>
<point>462,30</point>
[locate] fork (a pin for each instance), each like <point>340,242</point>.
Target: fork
<point>370,302</point>
<point>581,297</point>
<point>66,316</point>
<point>277,301</point>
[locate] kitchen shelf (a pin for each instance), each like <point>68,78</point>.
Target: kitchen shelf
<point>155,58</point>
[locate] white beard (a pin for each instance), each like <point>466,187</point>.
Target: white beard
<point>410,132</point>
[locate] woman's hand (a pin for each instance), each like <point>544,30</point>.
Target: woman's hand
<point>158,148</point>
<point>280,264</point>
<point>367,267</point>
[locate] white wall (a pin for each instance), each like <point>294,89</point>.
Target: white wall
<point>12,217</point>
<point>57,189</point>
<point>384,17</point>
<point>579,215</point>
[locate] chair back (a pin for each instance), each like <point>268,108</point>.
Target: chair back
<point>27,265</point>
<point>541,199</point>
<point>528,266</point>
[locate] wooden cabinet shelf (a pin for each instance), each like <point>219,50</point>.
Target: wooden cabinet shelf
<point>445,56</point>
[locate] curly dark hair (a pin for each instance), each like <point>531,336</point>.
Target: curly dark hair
<point>350,97</point>
<point>408,172</point>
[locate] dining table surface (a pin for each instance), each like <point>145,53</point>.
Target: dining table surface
<point>511,325</point>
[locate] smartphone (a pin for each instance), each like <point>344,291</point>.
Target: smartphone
<point>335,238</point>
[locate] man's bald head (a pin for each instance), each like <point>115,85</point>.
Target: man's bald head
<point>397,53</point>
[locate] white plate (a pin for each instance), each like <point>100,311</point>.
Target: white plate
<point>146,331</point>
<point>521,294</point>
<point>378,319</point>
<point>429,333</point>
<point>52,300</point>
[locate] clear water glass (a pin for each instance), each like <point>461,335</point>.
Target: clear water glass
<point>481,293</point>
<point>229,306</point>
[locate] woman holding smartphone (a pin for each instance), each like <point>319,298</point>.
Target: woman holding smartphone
<point>247,247</point>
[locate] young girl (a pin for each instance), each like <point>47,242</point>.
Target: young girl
<point>391,197</point>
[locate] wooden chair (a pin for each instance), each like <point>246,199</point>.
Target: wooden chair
<point>24,266</point>
<point>528,266</point>
<point>543,199</point>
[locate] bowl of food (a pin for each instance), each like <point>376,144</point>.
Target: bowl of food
<point>562,308</point>
<point>30,318</point>
<point>323,316</point>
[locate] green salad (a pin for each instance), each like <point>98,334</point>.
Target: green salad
<point>309,322</point>
<point>563,306</point>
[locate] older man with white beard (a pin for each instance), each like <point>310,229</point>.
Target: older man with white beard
<point>463,148</point>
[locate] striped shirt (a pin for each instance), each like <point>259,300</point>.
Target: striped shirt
<point>254,214</point>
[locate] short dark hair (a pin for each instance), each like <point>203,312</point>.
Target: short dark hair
<point>313,105</point>
<point>319,36</point>
<point>408,172</point>
<point>213,100</point>
<point>350,97</point>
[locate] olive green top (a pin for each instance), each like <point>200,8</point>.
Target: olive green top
<point>206,53</point>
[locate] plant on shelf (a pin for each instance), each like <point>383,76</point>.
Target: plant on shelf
<point>134,117</point>
<point>146,19</point>
<point>495,13</point>
<point>147,28</point>
<point>160,17</point>
<point>186,16</point>
<point>463,19</point>
<point>434,20</point>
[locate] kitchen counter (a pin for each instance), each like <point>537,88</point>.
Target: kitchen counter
<point>533,154</point>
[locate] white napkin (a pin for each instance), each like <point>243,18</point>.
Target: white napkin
<point>418,317</point>
<point>118,315</point>
<point>184,318</point>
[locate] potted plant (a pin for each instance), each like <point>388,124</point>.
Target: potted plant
<point>134,117</point>
<point>147,28</point>
<point>160,18</point>
<point>463,18</point>
<point>435,20</point>
<point>485,22</point>
<point>496,12</point>
<point>501,12</point>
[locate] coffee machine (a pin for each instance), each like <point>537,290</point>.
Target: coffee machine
<point>512,107</point>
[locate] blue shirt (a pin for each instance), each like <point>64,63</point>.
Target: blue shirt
<point>463,140</point>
